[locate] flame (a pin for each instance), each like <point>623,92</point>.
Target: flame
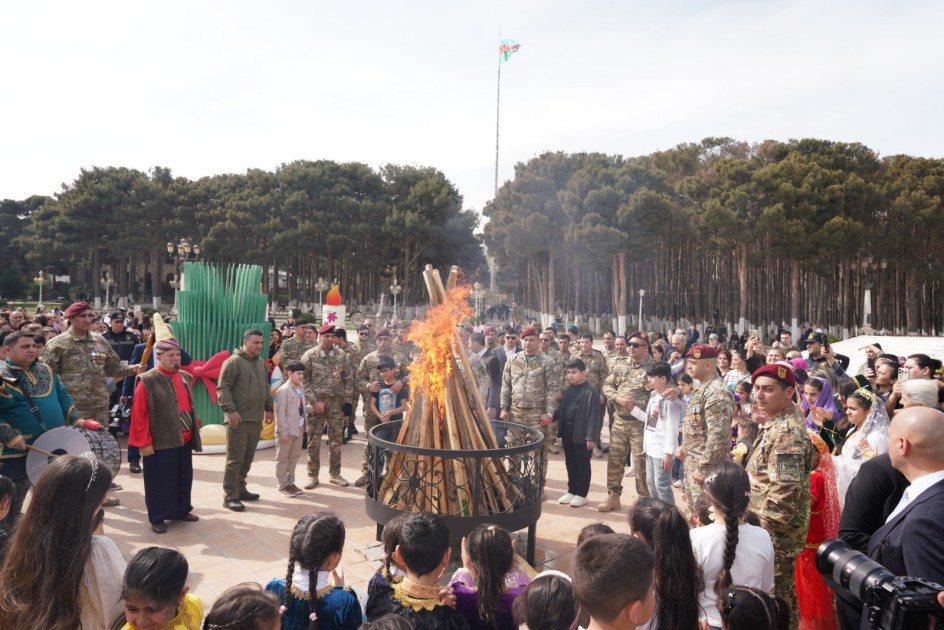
<point>334,296</point>
<point>435,337</point>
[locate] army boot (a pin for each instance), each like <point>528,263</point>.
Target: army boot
<point>611,504</point>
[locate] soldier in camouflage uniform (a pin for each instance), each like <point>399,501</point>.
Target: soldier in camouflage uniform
<point>404,350</point>
<point>354,356</point>
<point>295,346</point>
<point>546,345</point>
<point>779,469</point>
<point>329,385</point>
<point>610,354</point>
<point>367,380</point>
<point>629,390</point>
<point>706,429</point>
<point>530,385</point>
<point>84,361</point>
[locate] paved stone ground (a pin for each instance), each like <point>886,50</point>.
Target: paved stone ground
<point>225,548</point>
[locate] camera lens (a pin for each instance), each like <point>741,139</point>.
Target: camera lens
<point>854,571</point>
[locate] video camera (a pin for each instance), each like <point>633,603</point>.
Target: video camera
<point>893,602</point>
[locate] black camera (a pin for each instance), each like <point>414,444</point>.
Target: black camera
<point>893,602</point>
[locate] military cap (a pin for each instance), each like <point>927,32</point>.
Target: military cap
<point>816,337</point>
<point>77,307</point>
<point>530,331</point>
<point>702,351</point>
<point>326,329</point>
<point>383,332</point>
<point>776,371</point>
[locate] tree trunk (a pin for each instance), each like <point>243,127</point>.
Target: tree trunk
<point>742,281</point>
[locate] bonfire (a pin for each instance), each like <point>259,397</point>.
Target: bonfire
<point>445,412</point>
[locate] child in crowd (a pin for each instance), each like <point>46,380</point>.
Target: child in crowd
<point>390,621</point>
<point>745,426</point>
<point>686,385</point>
<point>730,550</point>
<point>747,608</point>
<point>489,580</point>
<point>380,586</point>
<point>663,420</point>
<point>613,581</point>
<point>311,595</point>
<point>7,492</point>
<point>579,422</point>
<point>156,593</point>
<point>424,553</point>
<point>244,607</point>
<point>548,603</point>
<point>593,529</point>
<point>387,405</point>
<point>678,577</point>
<point>290,414</point>
<point>814,599</point>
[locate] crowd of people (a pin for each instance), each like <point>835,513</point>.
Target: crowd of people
<point>774,450</point>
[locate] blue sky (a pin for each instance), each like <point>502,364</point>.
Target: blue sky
<point>215,87</point>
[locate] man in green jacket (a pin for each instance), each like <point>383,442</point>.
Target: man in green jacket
<point>243,394</point>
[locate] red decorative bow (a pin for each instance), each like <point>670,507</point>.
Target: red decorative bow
<point>207,372</point>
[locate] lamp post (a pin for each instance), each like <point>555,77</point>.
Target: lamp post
<point>321,286</point>
<point>181,252</point>
<point>642,292</point>
<point>40,280</point>
<point>395,290</point>
<point>478,293</point>
<point>109,282</point>
<point>870,269</point>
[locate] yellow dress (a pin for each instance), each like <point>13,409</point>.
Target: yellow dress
<point>189,618</point>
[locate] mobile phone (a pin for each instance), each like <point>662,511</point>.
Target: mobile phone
<point>903,374</point>
<point>755,334</point>
<point>137,309</point>
<point>871,364</point>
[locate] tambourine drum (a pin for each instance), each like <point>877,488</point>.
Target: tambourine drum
<point>73,441</point>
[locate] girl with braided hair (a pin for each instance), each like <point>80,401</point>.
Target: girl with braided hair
<point>311,595</point>
<point>489,581</point>
<point>678,577</point>
<point>380,586</point>
<point>730,550</point>
<point>746,608</point>
<point>244,607</point>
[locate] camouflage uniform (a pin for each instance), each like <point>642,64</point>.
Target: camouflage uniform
<point>293,350</point>
<point>706,439</point>
<point>328,379</point>
<point>480,374</point>
<point>84,365</point>
<point>627,379</point>
<point>529,390</point>
<point>779,469</point>
<point>367,373</point>
<point>354,357</point>
<point>611,356</point>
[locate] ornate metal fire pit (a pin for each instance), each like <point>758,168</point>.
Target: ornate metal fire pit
<point>500,486</point>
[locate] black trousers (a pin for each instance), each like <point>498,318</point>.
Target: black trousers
<point>168,480</point>
<point>577,459</point>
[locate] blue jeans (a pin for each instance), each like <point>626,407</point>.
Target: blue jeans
<point>658,481</point>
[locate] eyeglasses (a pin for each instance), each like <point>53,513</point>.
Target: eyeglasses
<point>633,344</point>
<point>361,334</point>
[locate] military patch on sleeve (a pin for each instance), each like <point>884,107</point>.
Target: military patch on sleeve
<point>789,467</point>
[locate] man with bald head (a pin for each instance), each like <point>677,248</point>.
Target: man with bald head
<point>910,542</point>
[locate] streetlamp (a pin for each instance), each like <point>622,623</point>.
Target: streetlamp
<point>181,252</point>
<point>642,292</point>
<point>395,290</point>
<point>321,286</point>
<point>869,272</point>
<point>477,293</point>
<point>40,280</point>
<point>109,282</point>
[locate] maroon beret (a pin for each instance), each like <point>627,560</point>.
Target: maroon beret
<point>777,371</point>
<point>489,329</point>
<point>327,329</point>
<point>530,331</point>
<point>77,307</point>
<point>702,351</point>
<point>383,332</point>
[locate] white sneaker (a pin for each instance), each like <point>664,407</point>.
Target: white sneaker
<point>578,502</point>
<point>567,498</point>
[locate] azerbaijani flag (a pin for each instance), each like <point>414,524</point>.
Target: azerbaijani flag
<point>507,48</point>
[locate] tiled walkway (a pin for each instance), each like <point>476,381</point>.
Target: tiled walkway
<point>225,548</point>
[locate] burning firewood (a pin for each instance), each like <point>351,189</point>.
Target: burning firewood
<point>445,412</point>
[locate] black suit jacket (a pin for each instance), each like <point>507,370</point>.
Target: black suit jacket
<point>493,366</point>
<point>872,495</point>
<point>912,543</point>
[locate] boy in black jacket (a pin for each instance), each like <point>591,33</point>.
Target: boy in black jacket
<point>579,425</point>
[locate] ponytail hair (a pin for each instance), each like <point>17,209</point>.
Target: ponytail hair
<point>492,557</point>
<point>242,607</point>
<point>747,608</point>
<point>729,489</point>
<point>679,579</point>
<point>314,538</point>
<point>390,538</point>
